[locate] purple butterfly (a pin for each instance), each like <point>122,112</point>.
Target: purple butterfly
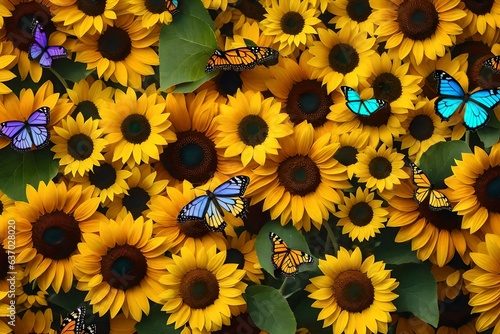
<point>24,135</point>
<point>40,47</point>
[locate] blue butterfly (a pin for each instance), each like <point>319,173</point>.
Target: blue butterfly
<point>452,98</point>
<point>40,47</point>
<point>227,196</point>
<point>364,108</point>
<point>33,132</point>
<point>172,6</point>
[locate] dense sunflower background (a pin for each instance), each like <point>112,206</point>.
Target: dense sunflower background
<point>138,130</point>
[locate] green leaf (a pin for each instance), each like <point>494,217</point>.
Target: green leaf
<point>436,162</point>
<point>391,252</point>
<point>185,46</point>
<point>417,292</point>
<point>156,322</point>
<point>489,135</point>
<point>293,238</point>
<point>71,70</point>
<point>307,317</point>
<point>269,310</point>
<point>20,169</point>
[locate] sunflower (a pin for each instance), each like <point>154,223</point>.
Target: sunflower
<point>352,14</point>
<point>292,23</point>
<point>483,282</point>
<point>449,279</point>
<point>136,128</point>
<point>241,250</point>
<point>150,12</point>
<point>303,177</point>
<point>78,145</point>
<point>380,169</point>
<point>122,53</point>
<point>6,59</point>
<point>481,17</point>
<point>361,215</point>
<point>121,266</point>
<point>201,289</point>
<point>435,235</point>
<point>49,228</point>
<point>407,323</point>
<point>89,96</point>
<point>420,28</point>
<point>142,187</point>
<point>351,144</point>
<point>341,58</point>
<point>5,203</point>
<point>217,4</point>
<point>35,322</point>
<point>27,294</point>
<point>249,126</point>
<point>475,185</point>
<point>348,311</point>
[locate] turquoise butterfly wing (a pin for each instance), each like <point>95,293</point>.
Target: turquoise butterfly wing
<point>360,107</point>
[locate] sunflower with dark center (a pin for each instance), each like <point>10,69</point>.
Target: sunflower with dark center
<point>241,250</point>
<point>422,29</point>
<point>303,176</point>
<point>151,12</point>
<point>449,278</point>
<point>406,322</point>
<point>482,17</point>
<point>292,23</point>
<point>353,293</point>
<point>27,294</point>
<point>122,53</point>
<point>476,187</point>
<point>120,268</point>
<point>48,230</point>
<point>200,288</point>
<point>351,143</point>
<point>249,127</point>
<point>354,14</point>
<point>89,96</point>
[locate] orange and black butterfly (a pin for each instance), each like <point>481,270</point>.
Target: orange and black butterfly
<point>240,59</point>
<point>437,200</point>
<point>493,64</point>
<point>74,323</point>
<point>172,6</point>
<point>285,260</point>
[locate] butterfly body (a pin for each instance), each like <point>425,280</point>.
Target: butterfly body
<point>360,107</point>
<point>172,6</point>
<point>437,200</point>
<point>75,323</point>
<point>212,205</point>
<point>452,98</point>
<point>32,132</point>
<point>240,59</point>
<point>285,260</point>
<point>493,64</point>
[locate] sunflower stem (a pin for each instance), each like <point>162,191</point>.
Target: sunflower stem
<point>282,287</point>
<point>291,293</point>
<point>60,78</point>
<point>467,137</point>
<point>331,235</point>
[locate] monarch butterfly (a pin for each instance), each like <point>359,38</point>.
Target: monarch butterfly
<point>285,260</point>
<point>493,64</point>
<point>172,6</point>
<point>227,196</point>
<point>240,59</point>
<point>75,323</point>
<point>437,200</point>
<point>361,107</point>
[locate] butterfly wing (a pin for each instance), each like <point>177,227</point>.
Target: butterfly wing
<point>285,260</point>
<point>40,41</point>
<point>493,64</point>
<point>359,106</point>
<point>90,329</point>
<point>240,59</point>
<point>478,106</point>
<point>229,195</point>
<point>10,129</point>
<point>195,209</point>
<point>172,6</point>
<point>438,201</point>
<point>452,96</point>
<point>74,323</point>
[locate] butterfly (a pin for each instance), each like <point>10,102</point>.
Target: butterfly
<point>172,6</point>
<point>285,260</point>
<point>437,200</point>
<point>240,59</point>
<point>493,64</point>
<point>40,47</point>
<point>33,132</point>
<point>227,196</point>
<point>75,323</point>
<point>452,98</point>
<point>361,107</point>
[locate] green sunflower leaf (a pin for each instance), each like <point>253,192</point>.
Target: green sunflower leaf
<point>70,70</point>
<point>155,322</point>
<point>269,310</point>
<point>489,135</point>
<point>185,46</point>
<point>436,162</point>
<point>391,252</point>
<point>20,169</point>
<point>417,291</point>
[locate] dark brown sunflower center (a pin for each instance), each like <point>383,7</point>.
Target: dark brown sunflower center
<point>387,87</point>
<point>136,201</point>
<point>114,44</point>
<point>308,101</point>
<point>343,58</point>
<point>240,324</point>
<point>55,235</point>
<point>380,168</point>
<point>379,118</point>
<point>88,110</point>
<point>235,256</point>
<point>421,127</point>
<point>4,264</point>
<point>487,189</point>
<point>346,155</point>
<point>256,217</point>
<point>455,313</point>
<point>192,157</point>
<point>418,19</point>
<point>199,288</point>
<point>299,175</point>
<point>103,176</point>
<point>92,7</point>
<point>353,291</point>
<point>361,214</point>
<point>479,7</point>
<point>80,146</point>
<point>292,23</point>
<point>253,130</point>
<point>1,207</point>
<point>358,10</point>
<point>155,6</point>
<point>228,82</point>
<point>252,9</point>
<point>442,219</point>
<point>135,128</point>
<point>194,228</point>
<point>123,267</point>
